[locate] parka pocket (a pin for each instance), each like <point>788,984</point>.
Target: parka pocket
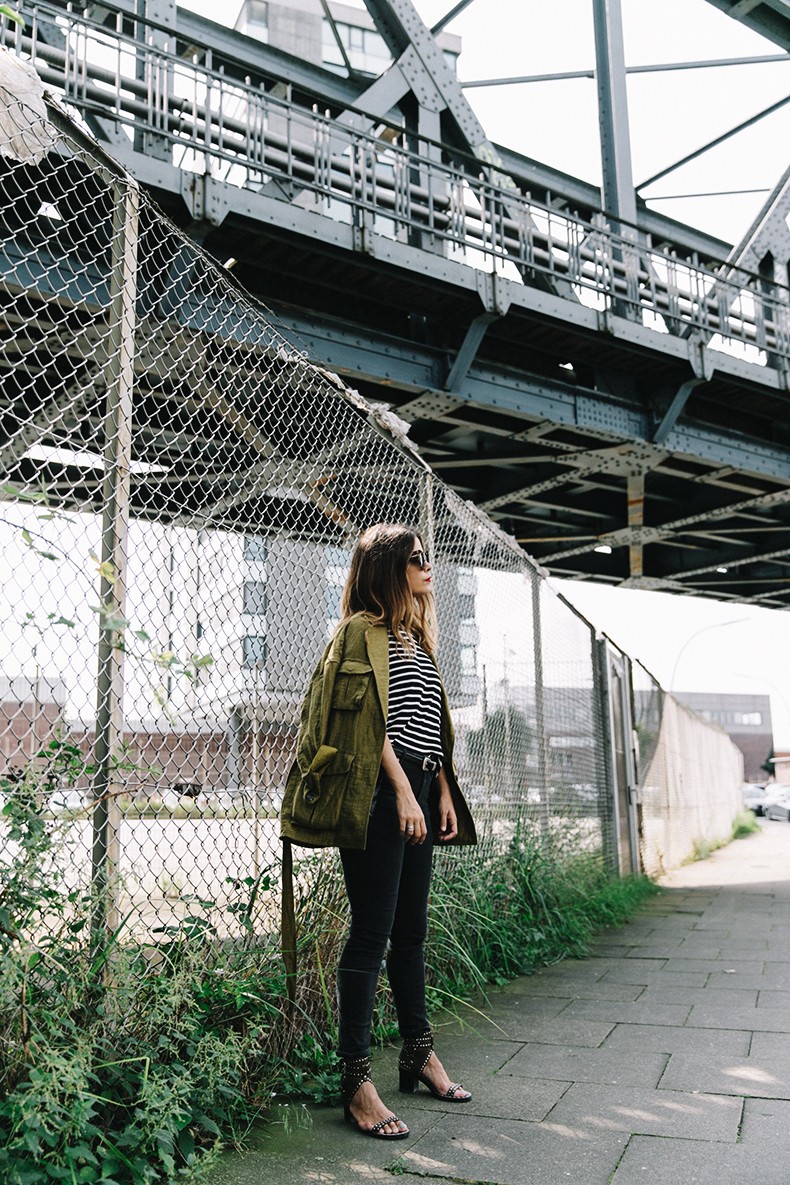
<point>351,685</point>
<point>318,802</point>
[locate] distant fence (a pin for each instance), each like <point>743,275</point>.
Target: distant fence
<point>181,490</point>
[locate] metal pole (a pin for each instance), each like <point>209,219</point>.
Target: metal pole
<point>619,197</point>
<point>256,758</point>
<point>427,517</point>
<point>540,704</point>
<point>606,774</point>
<point>119,371</point>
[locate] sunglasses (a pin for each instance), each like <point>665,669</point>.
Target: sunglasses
<point>419,559</point>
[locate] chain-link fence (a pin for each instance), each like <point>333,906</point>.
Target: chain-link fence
<point>181,492</point>
<point>689,779</point>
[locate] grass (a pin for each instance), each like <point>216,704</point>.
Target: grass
<point>132,1064</point>
<point>743,824</point>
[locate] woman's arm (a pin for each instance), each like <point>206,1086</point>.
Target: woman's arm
<point>409,812</point>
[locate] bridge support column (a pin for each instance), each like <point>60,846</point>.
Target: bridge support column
<point>619,196</point>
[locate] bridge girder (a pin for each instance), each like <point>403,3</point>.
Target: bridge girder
<point>590,428</point>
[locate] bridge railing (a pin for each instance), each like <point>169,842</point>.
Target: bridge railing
<point>173,101</point>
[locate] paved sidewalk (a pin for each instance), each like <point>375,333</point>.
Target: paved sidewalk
<point>664,1059</point>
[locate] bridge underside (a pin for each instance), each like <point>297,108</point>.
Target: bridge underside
<point>617,401</point>
<point>552,429</point>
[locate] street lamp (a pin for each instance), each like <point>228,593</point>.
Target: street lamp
<point>716,626</point>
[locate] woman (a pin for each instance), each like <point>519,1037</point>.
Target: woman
<point>374,776</point>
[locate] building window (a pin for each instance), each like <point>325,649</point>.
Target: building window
<point>254,597</point>
<point>753,718</point>
<point>468,660</point>
<point>366,48</point>
<point>255,548</point>
<point>253,650</point>
<point>466,606</point>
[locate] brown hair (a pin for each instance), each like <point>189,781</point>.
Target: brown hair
<point>377,585</point>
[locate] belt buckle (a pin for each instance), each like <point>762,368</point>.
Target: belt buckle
<point>429,764</point>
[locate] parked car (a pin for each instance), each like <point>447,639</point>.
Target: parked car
<point>754,796</point>
<point>776,804</point>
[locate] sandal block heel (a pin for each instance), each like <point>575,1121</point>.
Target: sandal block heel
<point>409,1083</point>
<point>415,1055</point>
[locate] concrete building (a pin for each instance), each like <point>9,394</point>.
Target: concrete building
<point>302,28</point>
<point>747,719</point>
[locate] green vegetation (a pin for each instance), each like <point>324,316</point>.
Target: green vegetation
<point>11,15</point>
<point>499,915</point>
<point>744,824</point>
<point>131,1062</point>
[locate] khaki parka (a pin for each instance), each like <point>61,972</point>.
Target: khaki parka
<point>329,792</point>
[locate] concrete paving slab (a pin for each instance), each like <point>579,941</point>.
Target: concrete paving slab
<point>697,949</point>
<point>607,964</point>
<point>627,1013</point>
<point>656,1160</point>
<point>504,1096</point>
<point>770,1045</point>
<point>714,966</point>
<point>766,1121</point>
<point>740,952</point>
<point>765,1077</point>
<point>706,995</point>
<point>601,989</point>
<point>773,999</point>
<point>586,969</point>
<point>778,968</point>
<point>559,1031</point>
<point>767,1020</point>
<point>625,973</point>
<point>528,1006</point>
<point>570,1064</point>
<point>649,1112</point>
<point>654,950</point>
<point>733,923</point>
<point>326,1152</point>
<point>729,980</point>
<point>507,1153</point>
<point>666,1039</point>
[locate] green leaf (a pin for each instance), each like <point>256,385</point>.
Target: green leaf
<point>12,16</point>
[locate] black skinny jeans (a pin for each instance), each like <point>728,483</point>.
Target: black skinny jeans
<point>387,887</point>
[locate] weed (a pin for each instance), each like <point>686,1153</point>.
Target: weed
<point>744,824</point>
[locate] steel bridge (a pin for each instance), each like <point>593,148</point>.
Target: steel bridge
<point>610,385</point>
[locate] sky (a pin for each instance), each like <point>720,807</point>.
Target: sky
<point>688,643</point>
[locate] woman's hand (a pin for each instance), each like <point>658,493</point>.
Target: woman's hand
<point>448,819</point>
<point>410,817</point>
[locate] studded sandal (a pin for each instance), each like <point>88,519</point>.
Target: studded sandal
<point>354,1072</point>
<point>414,1057</point>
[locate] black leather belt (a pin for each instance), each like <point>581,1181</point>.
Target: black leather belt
<point>430,762</point>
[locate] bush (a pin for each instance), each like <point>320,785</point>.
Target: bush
<point>744,824</point>
<point>122,1064</point>
<point>131,1063</point>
